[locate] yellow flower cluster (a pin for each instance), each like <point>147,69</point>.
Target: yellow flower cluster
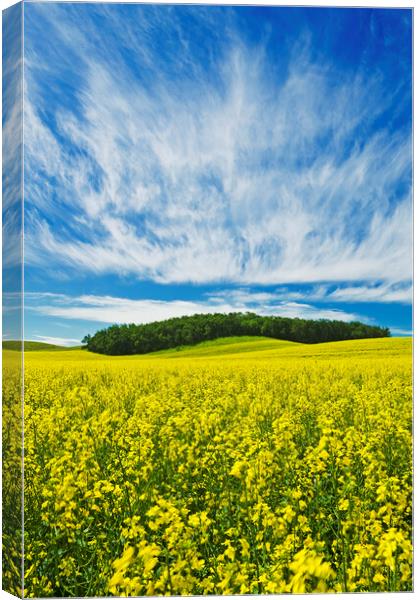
<point>12,473</point>
<point>249,475</point>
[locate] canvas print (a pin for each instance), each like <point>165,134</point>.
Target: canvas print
<point>207,300</point>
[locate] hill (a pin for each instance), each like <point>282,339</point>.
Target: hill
<point>224,346</point>
<point>245,349</point>
<point>34,346</point>
<point>191,330</point>
<point>267,348</point>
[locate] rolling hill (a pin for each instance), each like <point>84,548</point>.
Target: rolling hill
<point>226,349</point>
<point>35,346</point>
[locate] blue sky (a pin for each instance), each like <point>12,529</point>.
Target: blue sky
<point>12,170</point>
<point>184,159</point>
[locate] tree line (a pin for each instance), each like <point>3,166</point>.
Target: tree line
<point>185,331</point>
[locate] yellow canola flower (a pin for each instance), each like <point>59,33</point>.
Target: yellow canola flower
<point>122,563</point>
<point>238,468</point>
<point>306,564</point>
<point>279,472</point>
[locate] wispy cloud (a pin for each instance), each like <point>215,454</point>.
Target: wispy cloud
<point>179,170</point>
<point>382,292</point>
<point>58,341</point>
<point>109,309</point>
<point>403,332</point>
<point>12,147</point>
<point>402,292</point>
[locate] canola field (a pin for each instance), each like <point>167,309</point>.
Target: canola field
<point>241,466</point>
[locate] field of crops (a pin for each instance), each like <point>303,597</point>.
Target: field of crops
<point>225,469</point>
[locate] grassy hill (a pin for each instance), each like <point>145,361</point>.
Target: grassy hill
<point>231,349</point>
<point>260,347</point>
<point>35,346</point>
<point>227,345</point>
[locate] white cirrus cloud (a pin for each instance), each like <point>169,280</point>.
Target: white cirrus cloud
<point>401,332</point>
<point>382,292</point>
<point>237,178</point>
<point>109,309</point>
<point>401,292</point>
<point>56,341</point>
